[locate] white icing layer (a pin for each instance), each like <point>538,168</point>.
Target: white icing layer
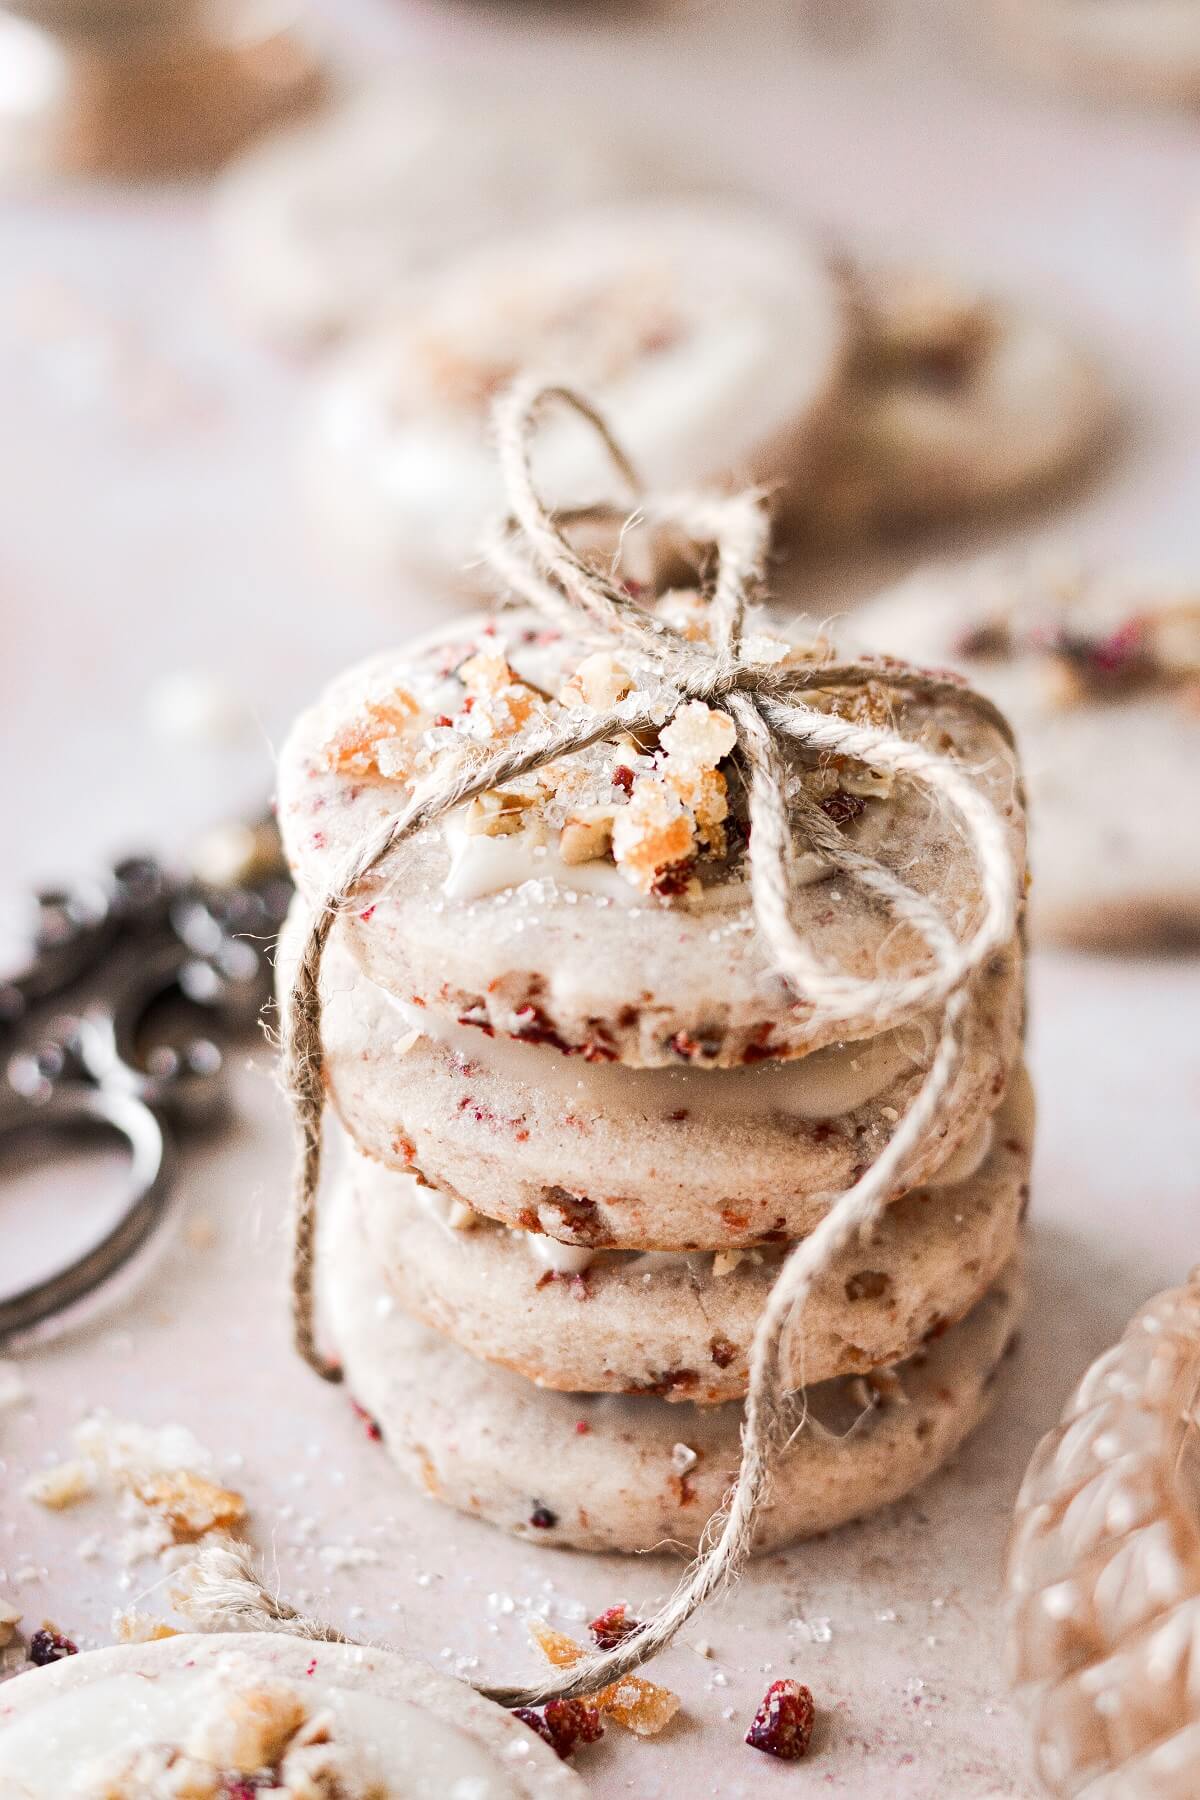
<point>970,1156</point>
<point>406,1751</point>
<point>825,1085</point>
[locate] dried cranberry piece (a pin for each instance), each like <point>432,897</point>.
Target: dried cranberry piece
<point>563,1724</point>
<point>612,1627</point>
<point>841,807</point>
<point>373,1428</point>
<point>673,879</point>
<point>543,1518</point>
<point>622,778</point>
<point>783,1724</point>
<point>50,1646</point>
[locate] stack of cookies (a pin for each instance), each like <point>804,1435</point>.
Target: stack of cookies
<point>585,1119</point>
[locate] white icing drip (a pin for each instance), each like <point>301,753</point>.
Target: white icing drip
<point>571,1259</point>
<point>969,1157</point>
<point>564,1259</point>
<point>406,1751</point>
<point>824,1085</point>
<point>454,1216</point>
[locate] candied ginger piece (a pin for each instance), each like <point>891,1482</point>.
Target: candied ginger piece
<point>190,1505</point>
<point>371,741</point>
<point>133,1627</point>
<point>638,1706</point>
<point>501,703</point>
<point>555,1646</point>
<point>704,793</point>
<point>653,833</point>
<point>249,1728</point>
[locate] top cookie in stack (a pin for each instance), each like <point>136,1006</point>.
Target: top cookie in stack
<point>556,1011</point>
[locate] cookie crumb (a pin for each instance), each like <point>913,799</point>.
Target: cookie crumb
<point>190,1504</point>
<point>64,1485</point>
<point>133,1627</point>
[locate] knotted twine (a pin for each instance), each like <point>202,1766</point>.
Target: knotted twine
<point>766,703</point>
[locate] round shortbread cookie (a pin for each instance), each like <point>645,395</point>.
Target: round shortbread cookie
<point>321,226</point>
<point>600,1154</point>
<point>1146,49</point>
<point>1098,674</point>
<point>954,402</point>
<point>638,944</point>
<point>608,1472</point>
<point>710,336</point>
<point>147,1720</point>
<point>680,1326</point>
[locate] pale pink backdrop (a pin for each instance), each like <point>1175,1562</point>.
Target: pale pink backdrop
<point>149,526</point>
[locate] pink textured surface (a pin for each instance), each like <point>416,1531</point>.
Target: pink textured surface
<point>149,525</point>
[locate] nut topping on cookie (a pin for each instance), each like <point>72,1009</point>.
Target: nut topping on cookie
<point>248,1737</point>
<point>654,806</point>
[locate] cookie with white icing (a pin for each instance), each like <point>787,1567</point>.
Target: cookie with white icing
<point>600,1154</point>
<point>212,1718</point>
<point>320,226</point>
<point>954,402</point>
<point>678,1325</point>
<point>710,336</point>
<point>610,1472</point>
<point>602,906</point>
<point>1100,676</point>
<point>1145,49</point>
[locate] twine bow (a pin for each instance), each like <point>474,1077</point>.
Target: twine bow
<point>765,700</point>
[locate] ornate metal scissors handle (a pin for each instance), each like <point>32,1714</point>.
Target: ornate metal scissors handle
<point>85,1052</point>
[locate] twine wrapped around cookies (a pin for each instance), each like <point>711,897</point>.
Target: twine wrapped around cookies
<point>766,703</point>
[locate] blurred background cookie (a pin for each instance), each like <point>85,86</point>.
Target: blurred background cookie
<point>320,227</point>
<point>1144,49</point>
<point>1100,675</point>
<point>955,403</point>
<point>711,336</point>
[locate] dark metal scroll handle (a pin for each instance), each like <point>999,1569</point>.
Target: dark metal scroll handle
<point>77,1030</point>
<point>67,1115</point>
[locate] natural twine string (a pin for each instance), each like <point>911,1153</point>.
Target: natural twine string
<point>765,702</point>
